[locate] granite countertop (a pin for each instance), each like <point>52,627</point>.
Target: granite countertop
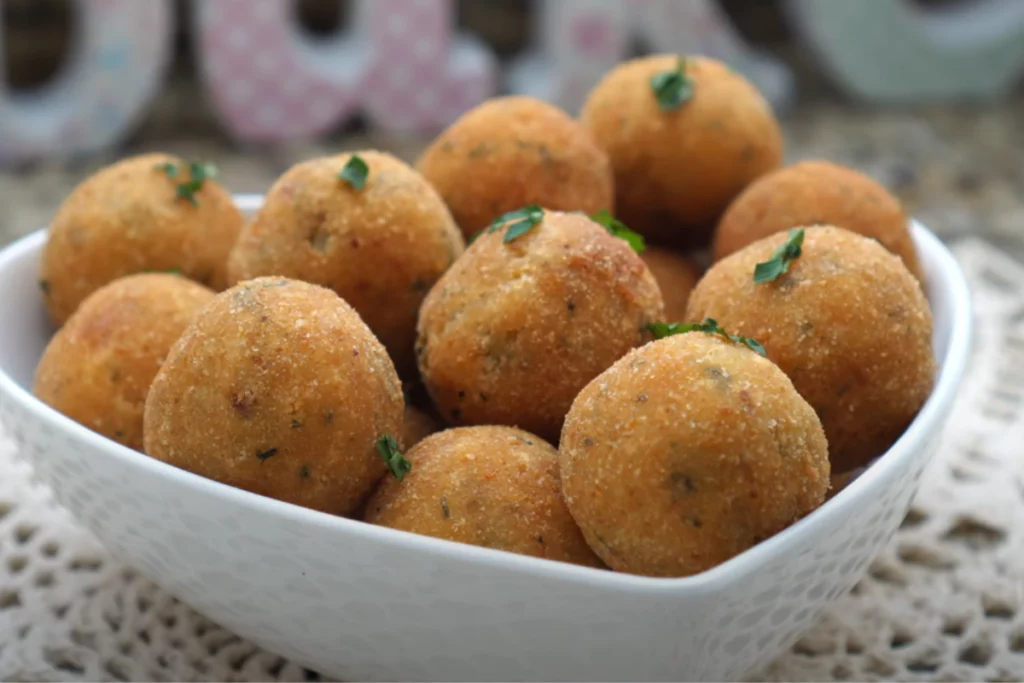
<point>958,169</point>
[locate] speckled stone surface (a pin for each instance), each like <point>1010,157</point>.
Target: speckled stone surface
<point>959,169</point>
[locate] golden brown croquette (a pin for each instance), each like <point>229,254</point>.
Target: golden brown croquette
<point>816,193</point>
<point>676,170</point>
<point>686,452</point>
<point>98,367</point>
<point>513,331</point>
<point>495,487</point>
<point>848,323</point>
<point>132,217</point>
<point>513,151</point>
<point>279,388</point>
<point>380,248</point>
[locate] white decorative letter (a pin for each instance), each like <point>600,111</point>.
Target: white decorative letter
<point>112,74</point>
<point>398,63</point>
<point>423,79</point>
<point>267,80</point>
<point>895,51</point>
<point>576,43</point>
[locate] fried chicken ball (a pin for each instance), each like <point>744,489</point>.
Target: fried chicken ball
<point>417,426</point>
<point>513,151</point>
<point>97,369</point>
<point>848,323</point>
<point>677,169</point>
<point>380,248</point>
<point>813,193</point>
<point>686,452</point>
<point>495,487</point>
<point>513,331</point>
<point>133,217</point>
<point>279,388</point>
<point>676,276</point>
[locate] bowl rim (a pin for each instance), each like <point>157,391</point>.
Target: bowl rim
<point>843,505</point>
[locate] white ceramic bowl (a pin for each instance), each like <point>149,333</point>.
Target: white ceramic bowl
<point>361,602</point>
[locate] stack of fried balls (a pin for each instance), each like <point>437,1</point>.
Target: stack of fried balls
<point>510,344</point>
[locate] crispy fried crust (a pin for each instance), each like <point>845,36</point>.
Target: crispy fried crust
<point>686,452</point>
<point>495,487</point>
<point>676,171</point>
<point>512,151</point>
<point>380,248</point>
<point>512,332</point>
<point>97,369</point>
<point>279,388</point>
<point>816,193</point>
<point>127,218</point>
<point>850,326</point>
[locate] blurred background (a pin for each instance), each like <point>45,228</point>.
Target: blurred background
<point>925,95</point>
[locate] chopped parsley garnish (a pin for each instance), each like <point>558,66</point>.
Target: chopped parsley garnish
<point>518,222</point>
<point>393,458</point>
<point>170,169</point>
<point>355,172</point>
<point>44,285</point>
<point>198,174</point>
<point>673,88</point>
<point>619,229</point>
<point>778,264</point>
<point>710,325</point>
<point>264,455</point>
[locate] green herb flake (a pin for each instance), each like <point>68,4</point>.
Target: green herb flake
<point>673,88</point>
<point>518,222</point>
<point>393,458</point>
<point>264,455</point>
<point>619,229</point>
<point>169,168</point>
<point>355,172</point>
<point>778,264</point>
<point>199,173</point>
<point>710,326</point>
<point>44,286</point>
<point>202,171</point>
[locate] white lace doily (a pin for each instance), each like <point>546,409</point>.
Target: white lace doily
<point>945,601</point>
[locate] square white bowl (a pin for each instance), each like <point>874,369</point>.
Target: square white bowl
<point>367,603</point>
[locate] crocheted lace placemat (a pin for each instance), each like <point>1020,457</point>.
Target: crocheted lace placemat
<point>945,601</point>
